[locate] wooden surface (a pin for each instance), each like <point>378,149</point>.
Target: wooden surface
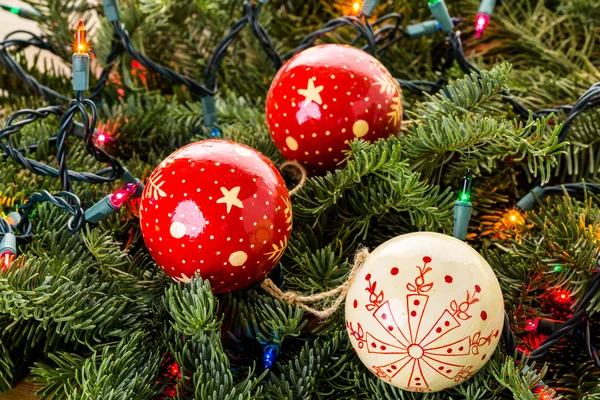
<point>23,391</point>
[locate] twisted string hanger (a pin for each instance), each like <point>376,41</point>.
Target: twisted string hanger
<point>341,291</point>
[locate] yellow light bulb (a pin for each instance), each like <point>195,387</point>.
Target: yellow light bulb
<point>356,7</point>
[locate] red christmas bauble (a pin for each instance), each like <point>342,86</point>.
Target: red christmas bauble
<point>218,208</point>
<point>326,96</point>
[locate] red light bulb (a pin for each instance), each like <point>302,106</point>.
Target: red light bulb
<point>137,65</point>
<point>531,325</point>
<point>562,297</point>
<point>480,24</point>
<point>6,259</point>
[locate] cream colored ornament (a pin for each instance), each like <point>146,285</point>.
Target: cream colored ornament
<point>425,312</point>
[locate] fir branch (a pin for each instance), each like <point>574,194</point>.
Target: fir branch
<point>57,375</point>
<point>311,268</point>
<point>516,379</point>
<point>62,304</point>
<point>129,371</point>
<point>266,319</point>
<point>298,379</point>
<point>464,96</point>
<point>374,182</point>
<point>7,368</point>
<point>192,307</point>
<point>206,373</point>
<point>444,149</point>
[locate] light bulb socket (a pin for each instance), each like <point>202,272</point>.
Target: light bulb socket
<point>8,244</point>
<point>547,326</point>
<point>209,111</point>
<point>421,29</point>
<point>129,178</point>
<point>369,6</point>
<point>440,13</point>
<point>100,210</point>
<point>528,202</point>
<point>81,72</point>
<point>111,10</point>
<point>487,7</point>
<point>462,216</point>
<point>78,130</point>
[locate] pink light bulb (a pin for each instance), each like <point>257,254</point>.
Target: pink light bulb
<point>122,195</point>
<point>481,24</point>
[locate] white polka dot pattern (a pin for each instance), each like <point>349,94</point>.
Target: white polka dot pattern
<point>325,97</point>
<point>218,208</point>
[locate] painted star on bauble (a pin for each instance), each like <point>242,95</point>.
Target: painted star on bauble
<point>311,93</point>
<point>230,198</point>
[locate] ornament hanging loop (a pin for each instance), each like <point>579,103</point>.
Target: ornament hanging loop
<point>298,174</point>
<point>295,299</point>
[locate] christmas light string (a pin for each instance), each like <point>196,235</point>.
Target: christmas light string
<point>65,199</point>
<point>11,65</point>
<point>374,38</point>
<point>578,323</point>
<point>388,33</point>
<point>579,319</point>
<point>26,13</point>
<point>50,95</point>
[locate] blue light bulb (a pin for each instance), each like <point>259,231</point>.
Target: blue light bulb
<point>215,132</point>
<point>270,353</point>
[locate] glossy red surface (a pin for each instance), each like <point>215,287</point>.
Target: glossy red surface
<point>328,95</point>
<point>218,208</point>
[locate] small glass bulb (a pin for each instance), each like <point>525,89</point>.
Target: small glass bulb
<point>122,195</point>
<point>6,259</point>
<point>481,24</point>
<point>270,353</point>
<point>80,39</point>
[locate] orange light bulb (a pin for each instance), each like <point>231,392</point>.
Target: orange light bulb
<point>81,45</point>
<point>512,219</point>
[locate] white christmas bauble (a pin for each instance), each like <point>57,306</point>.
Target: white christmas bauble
<point>425,312</point>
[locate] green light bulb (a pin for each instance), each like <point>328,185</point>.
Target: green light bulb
<point>558,268</point>
<point>14,10</point>
<point>433,1</point>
